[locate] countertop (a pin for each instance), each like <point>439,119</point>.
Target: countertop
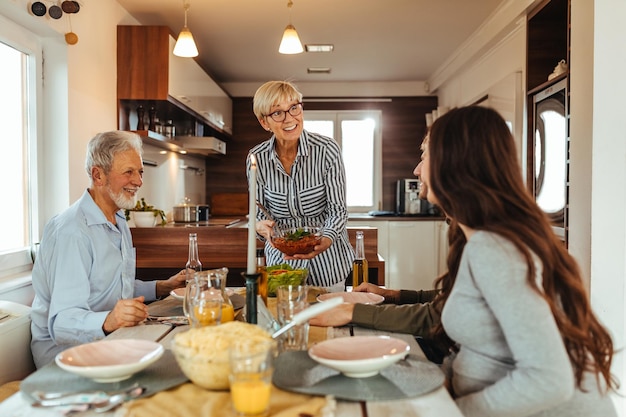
<point>241,221</point>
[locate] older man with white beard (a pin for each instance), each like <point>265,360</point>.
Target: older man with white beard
<point>84,274</point>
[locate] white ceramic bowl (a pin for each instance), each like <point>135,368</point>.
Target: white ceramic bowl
<point>359,356</point>
<point>353,297</point>
<point>109,360</point>
<point>143,218</point>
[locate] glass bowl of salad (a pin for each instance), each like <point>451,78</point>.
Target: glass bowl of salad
<point>284,274</point>
<point>296,240</point>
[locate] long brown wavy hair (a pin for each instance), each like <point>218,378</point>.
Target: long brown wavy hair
<point>476,179</point>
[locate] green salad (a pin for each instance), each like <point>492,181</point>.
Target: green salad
<point>284,274</point>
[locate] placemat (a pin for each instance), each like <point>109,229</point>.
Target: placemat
<point>161,375</point>
<point>296,371</point>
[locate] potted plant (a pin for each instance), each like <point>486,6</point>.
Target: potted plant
<point>145,215</point>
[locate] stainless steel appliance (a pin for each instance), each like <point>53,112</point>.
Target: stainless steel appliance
<point>407,196</point>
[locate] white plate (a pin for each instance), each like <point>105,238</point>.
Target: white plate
<point>178,293</point>
<point>354,297</point>
<point>359,356</point>
<point>109,360</point>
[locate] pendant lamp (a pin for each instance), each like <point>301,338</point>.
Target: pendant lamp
<point>185,46</point>
<point>291,41</point>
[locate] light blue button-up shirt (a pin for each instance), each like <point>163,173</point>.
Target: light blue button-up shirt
<point>84,266</point>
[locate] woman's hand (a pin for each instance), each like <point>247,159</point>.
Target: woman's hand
<point>324,244</point>
<point>390,295</point>
<point>264,228</point>
<point>338,316</point>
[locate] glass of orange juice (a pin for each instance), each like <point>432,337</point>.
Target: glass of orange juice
<point>251,368</point>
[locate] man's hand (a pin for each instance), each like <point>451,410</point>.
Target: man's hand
<point>164,287</point>
<point>338,316</point>
<point>126,313</point>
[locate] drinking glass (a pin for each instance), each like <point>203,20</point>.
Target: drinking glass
<point>251,368</point>
<point>290,300</point>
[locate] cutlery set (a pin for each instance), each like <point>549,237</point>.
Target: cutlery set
<point>98,401</point>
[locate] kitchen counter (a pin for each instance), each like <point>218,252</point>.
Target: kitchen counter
<point>222,241</point>
<point>396,217</point>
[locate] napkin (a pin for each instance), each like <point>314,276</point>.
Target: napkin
<point>191,400</point>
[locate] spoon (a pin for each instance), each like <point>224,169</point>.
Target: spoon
<point>264,210</point>
<point>117,400</point>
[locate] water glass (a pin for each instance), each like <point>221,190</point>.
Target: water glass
<point>251,368</point>
<point>290,300</point>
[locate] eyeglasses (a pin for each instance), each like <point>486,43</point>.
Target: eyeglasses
<point>281,115</point>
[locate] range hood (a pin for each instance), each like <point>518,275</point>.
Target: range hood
<point>205,145</point>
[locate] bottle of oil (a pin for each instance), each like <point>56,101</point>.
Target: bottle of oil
<point>261,269</point>
<point>359,266</point>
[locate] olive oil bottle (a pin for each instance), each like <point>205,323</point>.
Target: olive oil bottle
<point>359,266</point>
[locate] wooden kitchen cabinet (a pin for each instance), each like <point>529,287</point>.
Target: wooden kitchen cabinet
<point>150,75</point>
<point>163,251</point>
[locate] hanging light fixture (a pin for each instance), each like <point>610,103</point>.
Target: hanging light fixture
<point>185,46</point>
<point>291,41</point>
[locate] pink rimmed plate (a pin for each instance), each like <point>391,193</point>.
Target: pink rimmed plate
<point>359,356</point>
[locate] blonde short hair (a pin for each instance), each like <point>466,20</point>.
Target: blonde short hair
<point>271,93</point>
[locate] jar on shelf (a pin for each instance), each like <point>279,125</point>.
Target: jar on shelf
<point>169,130</point>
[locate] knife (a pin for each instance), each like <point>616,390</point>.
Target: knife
<point>309,313</point>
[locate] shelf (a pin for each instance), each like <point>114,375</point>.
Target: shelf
<point>548,83</point>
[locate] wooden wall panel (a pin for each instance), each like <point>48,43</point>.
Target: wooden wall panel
<point>404,126</point>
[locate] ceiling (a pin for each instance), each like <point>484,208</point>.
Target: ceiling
<point>374,40</point>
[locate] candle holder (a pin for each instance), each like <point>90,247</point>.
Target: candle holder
<point>252,289</point>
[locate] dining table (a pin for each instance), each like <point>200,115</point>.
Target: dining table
<point>184,398</point>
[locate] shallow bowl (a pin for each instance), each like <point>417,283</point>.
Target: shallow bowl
<point>296,240</point>
<point>359,356</point>
<point>109,360</point>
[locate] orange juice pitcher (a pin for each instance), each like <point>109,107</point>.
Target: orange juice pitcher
<point>217,277</point>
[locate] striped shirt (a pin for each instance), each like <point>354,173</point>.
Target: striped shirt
<point>314,194</point>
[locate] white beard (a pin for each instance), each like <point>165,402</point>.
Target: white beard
<point>122,201</point>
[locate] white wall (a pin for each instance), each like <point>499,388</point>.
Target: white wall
<point>80,100</point>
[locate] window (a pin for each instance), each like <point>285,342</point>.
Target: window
<point>18,215</point>
<point>358,133</point>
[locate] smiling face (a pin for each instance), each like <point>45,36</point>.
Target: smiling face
<point>124,179</point>
<point>290,128</point>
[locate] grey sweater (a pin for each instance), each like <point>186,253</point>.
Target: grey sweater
<point>512,360</point>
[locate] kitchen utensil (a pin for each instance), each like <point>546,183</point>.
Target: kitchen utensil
<point>117,400</point>
<point>55,395</point>
<point>264,210</point>
<point>309,313</point>
<point>93,398</point>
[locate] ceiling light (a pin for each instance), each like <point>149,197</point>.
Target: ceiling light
<point>319,48</point>
<point>318,70</point>
<point>291,41</point>
<point>185,46</point>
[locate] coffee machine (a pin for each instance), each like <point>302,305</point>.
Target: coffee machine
<point>407,196</point>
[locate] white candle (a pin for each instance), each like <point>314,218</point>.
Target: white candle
<point>252,217</point>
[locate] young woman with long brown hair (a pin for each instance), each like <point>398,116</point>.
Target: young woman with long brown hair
<point>529,343</point>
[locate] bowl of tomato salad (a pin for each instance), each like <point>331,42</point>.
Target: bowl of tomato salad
<point>296,240</point>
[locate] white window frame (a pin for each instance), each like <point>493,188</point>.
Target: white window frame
<point>15,263</point>
<point>337,117</point>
